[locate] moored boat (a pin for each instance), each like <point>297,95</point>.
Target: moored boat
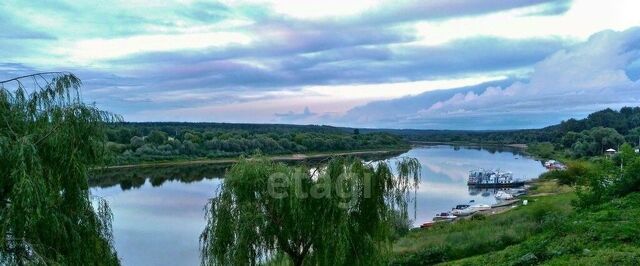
<point>501,195</point>
<point>481,207</point>
<point>470,209</point>
<point>445,216</point>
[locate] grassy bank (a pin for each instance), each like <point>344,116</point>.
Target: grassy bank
<point>471,237</point>
<point>546,231</point>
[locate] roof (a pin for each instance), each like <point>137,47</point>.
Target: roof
<point>611,150</point>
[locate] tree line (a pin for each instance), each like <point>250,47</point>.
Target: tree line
<point>136,142</point>
<point>591,136</point>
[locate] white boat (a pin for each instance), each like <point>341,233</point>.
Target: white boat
<point>501,195</point>
<point>481,207</point>
<point>463,212</point>
<point>445,216</point>
<point>517,191</point>
<point>470,210</point>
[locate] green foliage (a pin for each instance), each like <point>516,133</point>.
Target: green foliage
<point>543,149</point>
<point>605,234</point>
<point>611,178</point>
<point>48,141</point>
<point>157,137</point>
<point>626,122</point>
<point>545,232</point>
<point>341,214</point>
<point>468,238</point>
<point>577,172</point>
<point>144,142</point>
<point>596,140</point>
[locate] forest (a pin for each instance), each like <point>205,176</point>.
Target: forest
<point>599,131</point>
<point>143,142</point>
<point>162,141</point>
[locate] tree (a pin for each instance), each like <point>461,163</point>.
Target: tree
<point>340,214</point>
<point>136,142</point>
<point>157,137</point>
<point>596,140</point>
<point>48,141</point>
<point>633,137</point>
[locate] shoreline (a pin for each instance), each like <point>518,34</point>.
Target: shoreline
<point>464,143</point>
<point>302,157</point>
<point>279,158</point>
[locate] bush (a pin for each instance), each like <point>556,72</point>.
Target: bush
<point>427,256</point>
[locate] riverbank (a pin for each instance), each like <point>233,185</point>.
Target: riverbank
<point>467,143</point>
<point>489,231</point>
<point>548,230</point>
<point>280,158</point>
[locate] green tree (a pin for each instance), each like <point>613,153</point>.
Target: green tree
<point>157,137</point>
<point>48,140</point>
<point>341,214</point>
<point>633,137</point>
<point>596,140</point>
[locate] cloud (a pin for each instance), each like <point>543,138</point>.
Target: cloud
<point>296,117</point>
<point>569,83</point>
<point>444,9</point>
<point>345,63</point>
<point>395,112</point>
<point>146,59</point>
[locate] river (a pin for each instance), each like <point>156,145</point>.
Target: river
<point>158,212</point>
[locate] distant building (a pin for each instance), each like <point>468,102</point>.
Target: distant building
<point>610,152</point>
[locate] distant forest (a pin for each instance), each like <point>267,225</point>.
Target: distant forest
<point>590,136</point>
<point>143,142</point>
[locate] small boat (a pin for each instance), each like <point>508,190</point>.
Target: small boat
<point>460,210</point>
<point>461,207</point>
<point>517,191</point>
<point>463,212</point>
<point>445,216</point>
<point>470,209</point>
<point>501,195</point>
<point>481,207</point>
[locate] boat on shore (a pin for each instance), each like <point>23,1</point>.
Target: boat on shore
<point>444,216</point>
<point>501,195</point>
<point>469,210</point>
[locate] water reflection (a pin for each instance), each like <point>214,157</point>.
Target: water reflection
<point>133,178</point>
<point>445,170</point>
<point>136,177</point>
<point>158,211</point>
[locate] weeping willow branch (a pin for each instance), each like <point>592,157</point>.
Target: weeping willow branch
<point>51,141</point>
<point>339,214</point>
<point>41,74</point>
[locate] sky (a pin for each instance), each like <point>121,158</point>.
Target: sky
<point>437,64</point>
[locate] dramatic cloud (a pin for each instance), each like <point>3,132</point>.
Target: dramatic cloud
<point>256,60</point>
<point>569,83</point>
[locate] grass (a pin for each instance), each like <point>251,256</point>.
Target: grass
<point>467,238</point>
<point>546,187</point>
<point>548,231</point>
<point>605,235</point>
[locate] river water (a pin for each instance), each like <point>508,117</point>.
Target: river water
<point>158,212</point>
